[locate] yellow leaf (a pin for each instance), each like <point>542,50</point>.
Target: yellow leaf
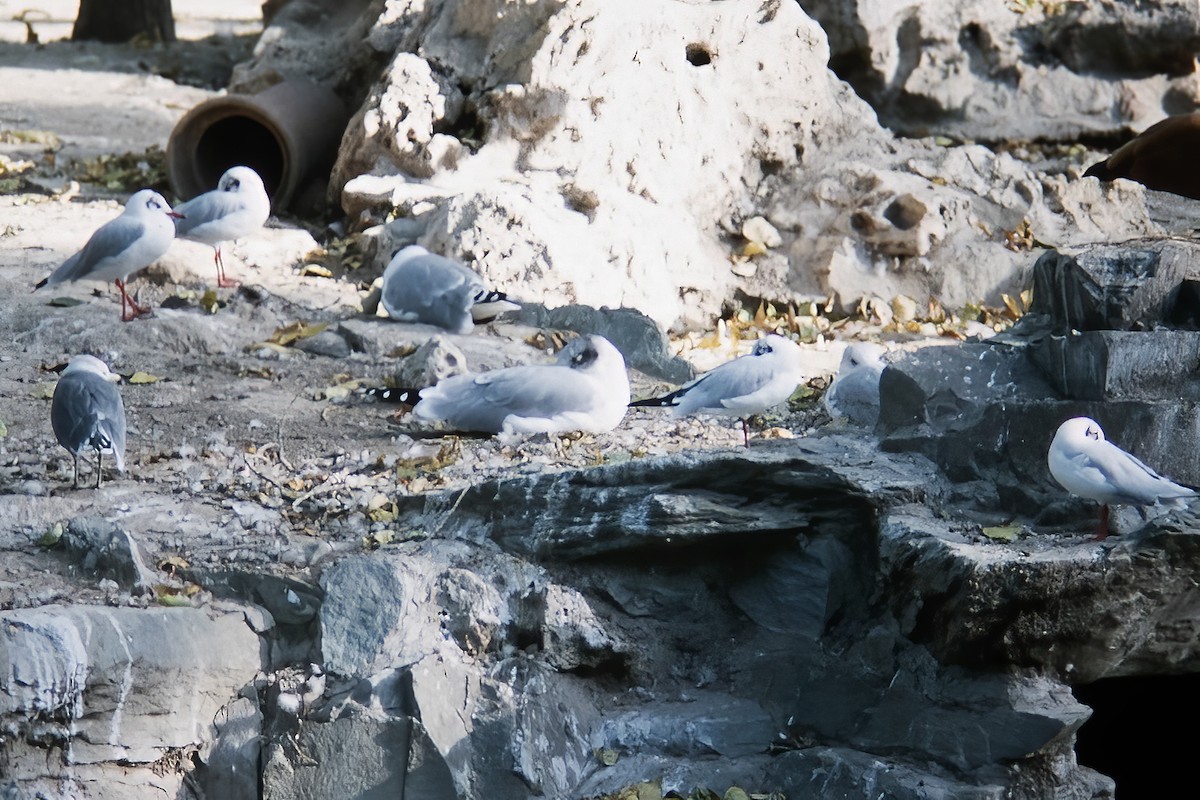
<point>607,756</point>
<point>754,249</point>
<point>1003,533</point>
<point>142,377</point>
<point>296,331</point>
<point>209,301</point>
<point>1012,306</point>
<point>381,515</point>
<point>316,270</point>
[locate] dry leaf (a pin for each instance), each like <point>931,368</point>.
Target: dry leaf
<point>142,377</point>
<point>294,332</point>
<point>316,270</point>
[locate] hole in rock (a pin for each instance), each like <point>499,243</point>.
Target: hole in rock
<point>905,212</point>
<point>698,55</point>
<point>468,126</point>
<point>1130,737</point>
<point>1185,308</point>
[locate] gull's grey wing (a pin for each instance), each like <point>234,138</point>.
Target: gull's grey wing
<point>484,402</point>
<point>737,378</point>
<point>1131,480</point>
<point>855,395</point>
<point>208,207</point>
<point>108,242</point>
<point>85,411</point>
<point>433,290</point>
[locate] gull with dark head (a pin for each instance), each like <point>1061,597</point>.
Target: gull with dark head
<point>121,247</point>
<point>586,389</point>
<point>86,412</point>
<point>419,286</point>
<point>237,207</point>
<point>747,385</point>
<point>1089,466</point>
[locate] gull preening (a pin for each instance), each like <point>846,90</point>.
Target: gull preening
<point>419,286</point>
<point>237,207</point>
<point>747,385</point>
<point>121,247</point>
<point>586,389</point>
<point>86,412</point>
<point>1089,466</point>
<point>854,393</point>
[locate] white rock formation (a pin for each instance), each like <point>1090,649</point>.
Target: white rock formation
<point>611,153</point>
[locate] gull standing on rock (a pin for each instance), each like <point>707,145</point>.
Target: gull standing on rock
<point>587,389</point>
<point>419,286</point>
<point>87,411</point>
<point>237,207</point>
<point>747,385</point>
<point>121,247</point>
<point>854,393</point>
<point>1089,466</point>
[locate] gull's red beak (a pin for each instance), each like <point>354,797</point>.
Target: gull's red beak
<point>175,214</point>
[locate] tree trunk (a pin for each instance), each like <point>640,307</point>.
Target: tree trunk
<point>108,21</point>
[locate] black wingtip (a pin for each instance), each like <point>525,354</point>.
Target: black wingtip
<point>1099,170</point>
<point>654,402</point>
<point>396,396</point>
<point>490,297</point>
<point>40,284</point>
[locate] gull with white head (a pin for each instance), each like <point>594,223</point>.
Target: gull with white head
<point>586,389</point>
<point>86,412</point>
<point>1089,466</point>
<point>854,393</point>
<point>420,286</point>
<point>747,385</point>
<point>237,207</point>
<point>122,246</point>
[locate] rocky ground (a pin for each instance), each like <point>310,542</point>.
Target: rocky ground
<point>240,448</point>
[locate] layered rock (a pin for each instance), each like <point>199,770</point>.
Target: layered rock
<point>979,70</point>
<point>107,702</point>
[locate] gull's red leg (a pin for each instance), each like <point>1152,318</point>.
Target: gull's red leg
<point>134,310</point>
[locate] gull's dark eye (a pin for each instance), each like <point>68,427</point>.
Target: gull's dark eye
<point>152,203</point>
<point>853,361</point>
<point>234,183</point>
<point>1093,433</point>
<point>585,356</point>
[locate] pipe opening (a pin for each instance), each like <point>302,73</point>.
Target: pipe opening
<point>239,140</point>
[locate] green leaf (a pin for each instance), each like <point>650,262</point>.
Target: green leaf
<point>51,536</point>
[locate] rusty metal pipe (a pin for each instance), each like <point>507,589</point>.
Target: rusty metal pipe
<point>289,135</point>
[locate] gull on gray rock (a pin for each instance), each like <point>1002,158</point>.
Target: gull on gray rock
<point>747,385</point>
<point>237,207</point>
<point>854,393</point>
<point>121,247</point>
<point>419,286</point>
<point>1089,466</point>
<point>87,412</point>
<point>586,389</point>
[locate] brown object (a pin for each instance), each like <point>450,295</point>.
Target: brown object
<point>288,134</point>
<point>106,21</point>
<point>1162,157</point>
